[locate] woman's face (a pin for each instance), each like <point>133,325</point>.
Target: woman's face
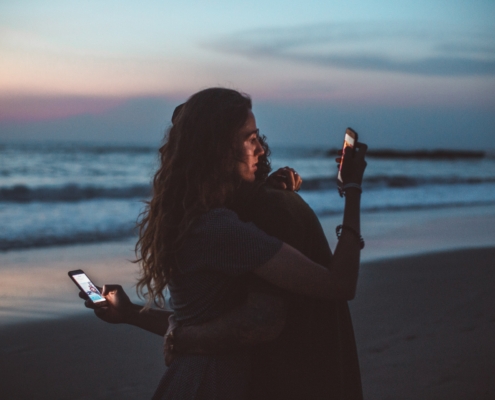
<point>249,149</point>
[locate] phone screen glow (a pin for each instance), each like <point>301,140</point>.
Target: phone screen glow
<point>348,142</point>
<point>88,287</point>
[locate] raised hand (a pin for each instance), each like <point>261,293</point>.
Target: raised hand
<point>285,179</point>
<point>354,164</point>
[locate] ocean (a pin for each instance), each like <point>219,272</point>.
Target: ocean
<point>62,193</point>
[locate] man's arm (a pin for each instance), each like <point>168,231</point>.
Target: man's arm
<point>151,320</point>
<point>259,319</point>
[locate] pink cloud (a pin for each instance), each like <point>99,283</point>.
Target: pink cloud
<point>41,108</point>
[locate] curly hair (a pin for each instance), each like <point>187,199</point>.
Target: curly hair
<point>197,172</point>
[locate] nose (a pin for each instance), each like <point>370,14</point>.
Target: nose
<point>259,151</point>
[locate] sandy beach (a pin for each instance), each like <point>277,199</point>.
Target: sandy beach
<point>425,326</point>
<point>424,321</point>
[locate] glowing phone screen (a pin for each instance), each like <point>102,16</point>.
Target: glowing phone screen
<point>88,287</point>
<point>348,142</point>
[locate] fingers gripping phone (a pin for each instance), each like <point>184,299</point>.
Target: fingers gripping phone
<point>88,287</point>
<point>350,140</point>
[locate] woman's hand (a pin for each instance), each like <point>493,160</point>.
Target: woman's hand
<point>119,306</point>
<point>285,179</point>
<point>354,164</point>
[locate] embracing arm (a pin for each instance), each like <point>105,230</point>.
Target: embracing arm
<point>259,319</point>
<point>291,270</point>
<point>151,320</point>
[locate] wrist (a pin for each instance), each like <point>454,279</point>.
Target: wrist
<point>132,313</point>
<point>352,199</point>
<point>345,189</point>
<point>355,232</point>
<point>353,190</point>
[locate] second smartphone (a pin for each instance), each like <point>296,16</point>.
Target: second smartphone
<point>350,140</point>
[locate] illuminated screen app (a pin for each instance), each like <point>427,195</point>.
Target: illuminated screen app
<point>90,289</point>
<point>348,142</point>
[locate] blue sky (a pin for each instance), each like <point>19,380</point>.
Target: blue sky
<point>404,74</point>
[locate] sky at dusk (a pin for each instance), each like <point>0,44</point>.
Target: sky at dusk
<point>403,74</point>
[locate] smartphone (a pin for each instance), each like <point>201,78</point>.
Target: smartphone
<point>350,140</point>
<point>84,283</point>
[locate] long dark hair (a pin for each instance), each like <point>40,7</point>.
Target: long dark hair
<point>197,172</point>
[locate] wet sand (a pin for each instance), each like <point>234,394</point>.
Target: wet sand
<point>78,358</point>
<point>424,327</point>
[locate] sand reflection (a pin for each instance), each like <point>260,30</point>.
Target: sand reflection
<point>34,283</point>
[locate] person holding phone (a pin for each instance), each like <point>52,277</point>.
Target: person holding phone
<point>192,243</point>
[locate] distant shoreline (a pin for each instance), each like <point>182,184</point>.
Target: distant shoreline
<point>74,147</point>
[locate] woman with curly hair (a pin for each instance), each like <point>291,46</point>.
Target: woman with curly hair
<point>192,243</point>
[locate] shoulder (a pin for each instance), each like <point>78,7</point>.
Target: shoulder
<point>220,241</point>
<point>216,219</point>
<point>283,203</point>
<point>285,215</point>
<point>223,226</point>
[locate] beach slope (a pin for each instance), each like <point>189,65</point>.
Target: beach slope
<point>425,326</point>
<point>425,329</point>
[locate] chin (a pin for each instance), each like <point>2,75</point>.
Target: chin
<point>249,178</point>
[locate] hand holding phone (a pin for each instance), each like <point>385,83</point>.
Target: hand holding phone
<point>111,304</point>
<point>350,140</point>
